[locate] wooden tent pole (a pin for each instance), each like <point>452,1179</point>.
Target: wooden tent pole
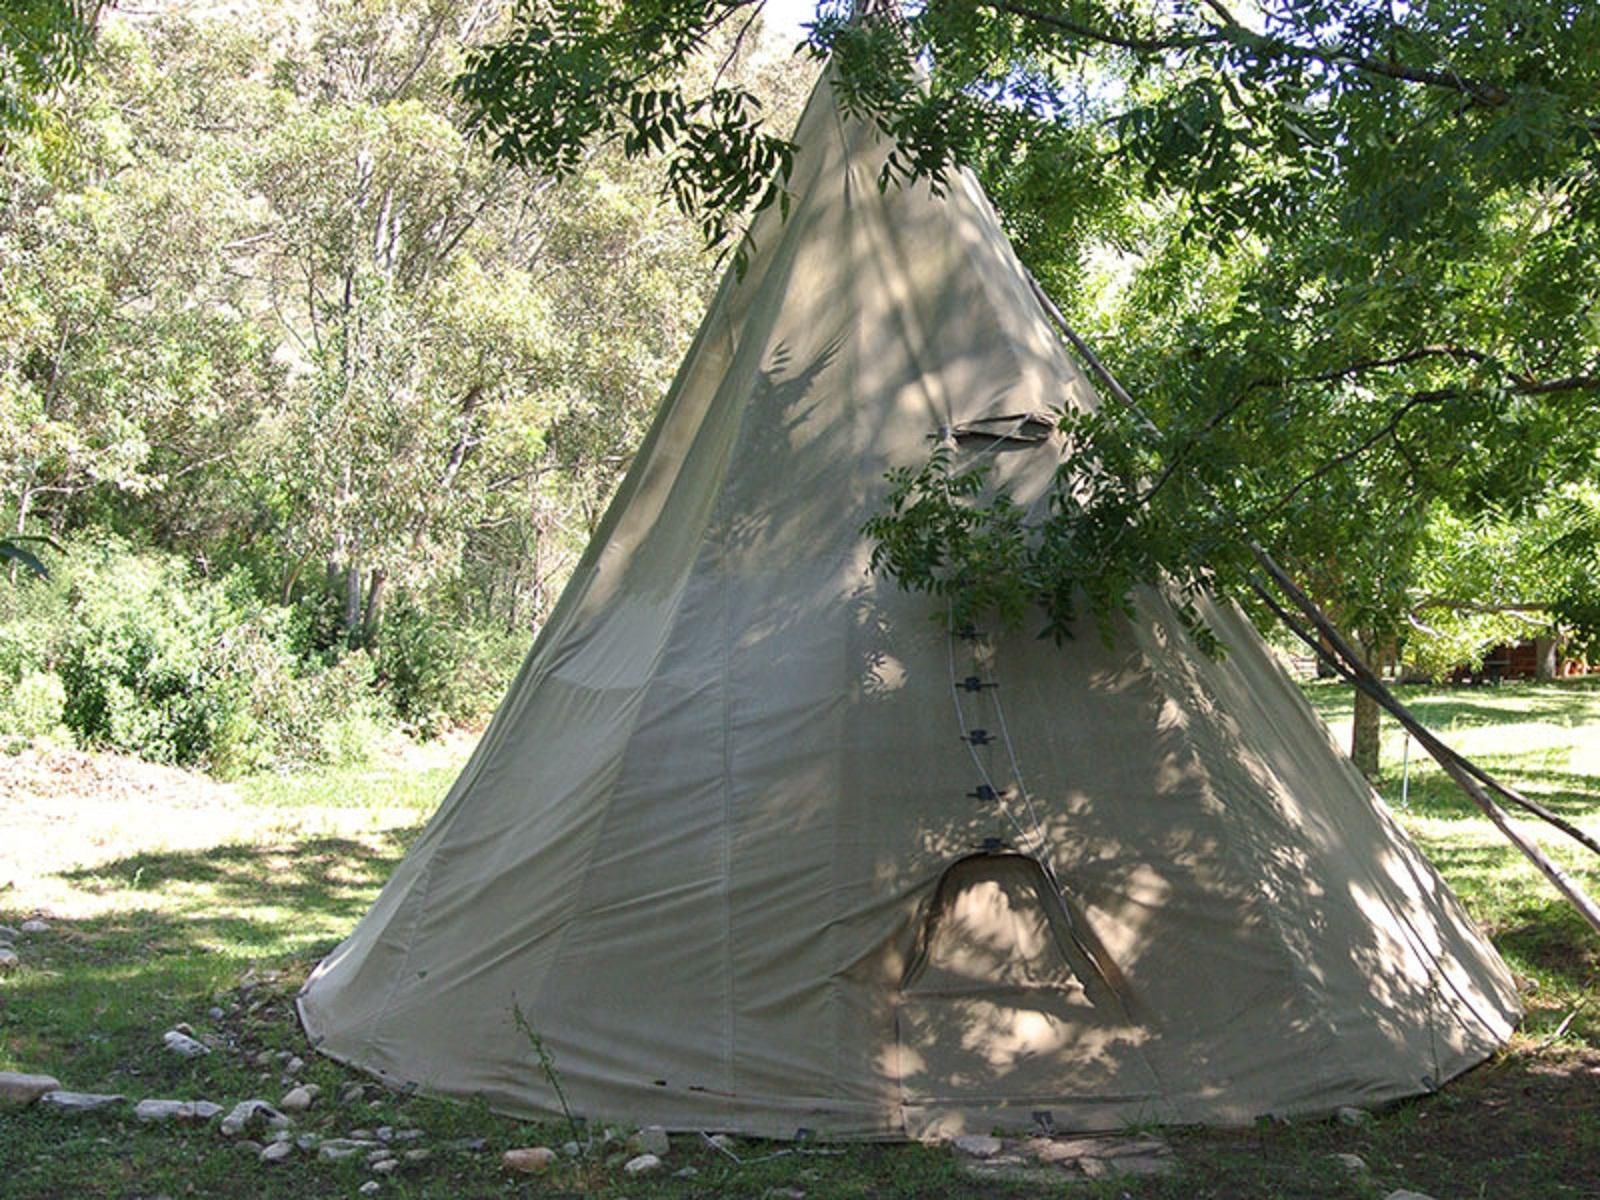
<point>1471,778</point>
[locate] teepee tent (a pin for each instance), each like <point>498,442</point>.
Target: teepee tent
<point>756,844</point>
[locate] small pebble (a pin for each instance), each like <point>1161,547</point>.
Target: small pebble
<point>295,1100</point>
<point>642,1165</point>
<point>531,1160</point>
<point>35,926</point>
<point>183,1045</point>
<point>370,1187</point>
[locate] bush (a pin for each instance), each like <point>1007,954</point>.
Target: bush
<point>149,659</point>
<point>438,675</point>
<point>33,707</point>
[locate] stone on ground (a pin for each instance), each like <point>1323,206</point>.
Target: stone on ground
<point>296,1100</point>
<point>1353,1163</point>
<point>370,1187</point>
<point>250,1112</point>
<point>35,926</point>
<point>1354,1117</point>
<point>529,1159</point>
<point>19,1089</point>
<point>977,1145</point>
<point>182,1044</point>
<point>642,1165</point>
<point>1402,1194</point>
<point>1043,1160</point>
<point>334,1149</point>
<point>80,1102</point>
<point>278,1152</point>
<point>8,959</point>
<point>650,1140</point>
<point>155,1111</point>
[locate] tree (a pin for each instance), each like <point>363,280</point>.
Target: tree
<point>43,43</point>
<point>268,306</point>
<point>1342,252</point>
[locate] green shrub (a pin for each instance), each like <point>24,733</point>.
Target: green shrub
<point>154,661</point>
<point>438,675</point>
<point>33,707</point>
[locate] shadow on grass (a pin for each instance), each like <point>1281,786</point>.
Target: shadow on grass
<point>1432,794</point>
<point>94,994</point>
<point>333,877</point>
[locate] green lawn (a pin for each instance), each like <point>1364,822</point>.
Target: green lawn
<point>216,917</point>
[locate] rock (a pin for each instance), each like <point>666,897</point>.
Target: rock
<point>8,934</point>
<point>215,1013</point>
<point>387,1166</point>
<point>352,1092</point>
<point>80,1102</point>
<point>384,1133</point>
<point>294,1066</point>
<point>18,1089</point>
<point>642,1165</point>
<point>262,1059</point>
<point>1402,1194</point>
<point>278,1152</point>
<point>723,1142</point>
<point>155,1111</point>
<point>650,1140</point>
<point>1353,1163</point>
<point>182,1044</point>
<point>8,959</point>
<point>686,1173</point>
<point>295,1100</point>
<point>533,1160</point>
<point>307,1143</point>
<point>783,1193</point>
<point>35,926</point>
<point>381,1154</point>
<point>416,1156</point>
<point>334,1149</point>
<point>406,1135</point>
<point>247,1146</point>
<point>370,1188</point>
<point>977,1145</point>
<point>364,1135</point>
<point>250,1112</point>
<point>1354,1117</point>
<point>469,1145</point>
<point>571,1149</point>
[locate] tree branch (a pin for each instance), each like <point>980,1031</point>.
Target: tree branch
<point>1232,33</point>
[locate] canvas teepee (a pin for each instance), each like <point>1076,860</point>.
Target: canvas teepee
<point>757,845</point>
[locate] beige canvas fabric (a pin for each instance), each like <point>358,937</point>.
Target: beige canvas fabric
<point>721,844</point>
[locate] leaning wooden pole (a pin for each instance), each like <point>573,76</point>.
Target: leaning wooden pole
<point>1350,667</point>
<point>1329,644</point>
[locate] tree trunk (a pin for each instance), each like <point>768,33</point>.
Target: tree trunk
<point>374,617</point>
<point>1366,736</point>
<point>1547,662</point>
<point>352,603</point>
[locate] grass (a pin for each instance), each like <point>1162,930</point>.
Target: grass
<point>209,909</point>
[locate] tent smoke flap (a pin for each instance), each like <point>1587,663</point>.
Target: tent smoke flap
<point>732,844</point>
